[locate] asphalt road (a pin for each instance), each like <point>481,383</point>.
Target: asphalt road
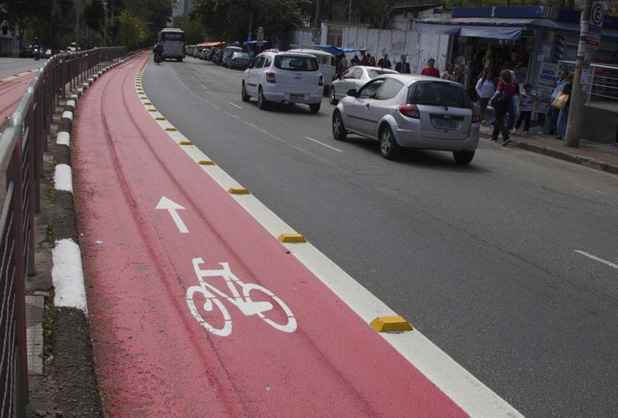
<point>481,259</point>
<point>12,66</point>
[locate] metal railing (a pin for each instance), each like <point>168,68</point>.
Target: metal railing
<point>602,87</point>
<point>22,145</point>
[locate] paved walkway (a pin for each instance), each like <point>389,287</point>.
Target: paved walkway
<point>167,251</point>
<point>12,90</point>
<point>602,157</point>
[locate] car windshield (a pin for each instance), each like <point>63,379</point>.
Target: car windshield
<point>296,63</point>
<point>173,36</point>
<point>434,93</point>
<point>240,55</point>
<point>376,73</point>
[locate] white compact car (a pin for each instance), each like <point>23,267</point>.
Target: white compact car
<point>284,77</point>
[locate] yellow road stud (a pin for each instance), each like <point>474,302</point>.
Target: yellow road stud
<point>292,238</point>
<point>238,190</point>
<point>159,118</point>
<point>171,129</point>
<point>206,162</point>
<point>390,324</point>
<point>185,142</point>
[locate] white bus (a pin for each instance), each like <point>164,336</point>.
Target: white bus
<point>173,42</point>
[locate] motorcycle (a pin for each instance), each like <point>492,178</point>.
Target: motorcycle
<point>157,58</point>
<point>36,53</point>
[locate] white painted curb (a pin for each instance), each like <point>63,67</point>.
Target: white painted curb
<point>68,276</point>
<point>63,138</point>
<point>63,178</point>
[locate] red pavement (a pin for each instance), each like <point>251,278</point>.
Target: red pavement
<point>153,358</point>
<point>11,92</point>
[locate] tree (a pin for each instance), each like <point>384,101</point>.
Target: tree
<point>132,31</point>
<point>192,26</point>
<point>94,15</point>
<point>235,20</point>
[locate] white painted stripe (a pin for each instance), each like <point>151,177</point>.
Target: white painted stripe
<point>63,138</point>
<point>235,105</point>
<point>63,180</point>
<point>461,386</point>
<point>599,259</point>
<point>68,276</point>
<point>323,144</point>
<point>67,114</point>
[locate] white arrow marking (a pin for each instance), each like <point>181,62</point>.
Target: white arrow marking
<point>173,208</point>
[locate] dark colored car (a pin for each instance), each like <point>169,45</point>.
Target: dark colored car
<point>239,60</point>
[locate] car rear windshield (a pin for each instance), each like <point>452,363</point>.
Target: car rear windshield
<point>296,63</point>
<point>173,36</point>
<point>376,73</point>
<point>434,93</point>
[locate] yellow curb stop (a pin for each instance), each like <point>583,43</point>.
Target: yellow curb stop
<point>238,190</point>
<point>292,238</point>
<point>390,324</point>
<point>206,162</point>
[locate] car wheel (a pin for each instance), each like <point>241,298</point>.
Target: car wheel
<point>333,99</point>
<point>463,157</point>
<point>339,132</point>
<point>262,102</point>
<point>244,95</point>
<point>388,147</point>
<point>315,108</point>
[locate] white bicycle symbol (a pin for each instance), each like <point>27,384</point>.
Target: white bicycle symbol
<point>243,302</point>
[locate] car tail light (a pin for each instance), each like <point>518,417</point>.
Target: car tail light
<point>321,82</point>
<point>410,111</point>
<point>476,117</point>
<point>271,78</point>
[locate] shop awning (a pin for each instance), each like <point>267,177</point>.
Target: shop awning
<point>438,29</point>
<point>491,32</point>
<point>211,44</point>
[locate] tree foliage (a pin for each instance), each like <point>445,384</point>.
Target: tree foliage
<point>237,19</point>
<point>132,31</point>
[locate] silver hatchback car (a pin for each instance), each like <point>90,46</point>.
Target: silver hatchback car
<point>409,111</point>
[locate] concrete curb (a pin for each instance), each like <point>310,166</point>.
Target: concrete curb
<point>563,155</point>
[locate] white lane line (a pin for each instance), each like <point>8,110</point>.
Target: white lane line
<point>595,258</point>
<point>323,144</point>
<point>236,106</point>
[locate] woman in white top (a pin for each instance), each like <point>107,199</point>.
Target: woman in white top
<point>485,88</point>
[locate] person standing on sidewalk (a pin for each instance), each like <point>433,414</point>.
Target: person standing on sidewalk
<point>563,116</point>
<point>431,70</point>
<point>485,89</point>
<point>551,117</point>
<point>502,103</point>
<point>525,109</point>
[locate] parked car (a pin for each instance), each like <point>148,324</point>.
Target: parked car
<point>228,52</point>
<point>327,65</point>
<point>284,77</point>
<point>217,56</point>
<point>354,78</point>
<point>409,111</point>
<point>239,60</point>
<point>210,55</point>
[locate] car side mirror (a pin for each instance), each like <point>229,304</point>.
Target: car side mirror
<point>352,93</point>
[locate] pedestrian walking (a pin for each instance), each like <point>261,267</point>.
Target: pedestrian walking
<point>448,72</point>
<point>526,103</point>
<point>403,66</point>
<point>372,60</point>
<point>355,60</point>
<point>431,70</point>
<point>384,62</point>
<point>564,104</point>
<point>485,89</point>
<point>551,117</point>
<point>502,102</point>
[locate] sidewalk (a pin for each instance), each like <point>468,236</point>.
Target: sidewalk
<point>603,157</point>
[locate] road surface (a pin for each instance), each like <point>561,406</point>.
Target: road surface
<point>12,66</point>
<point>509,265</point>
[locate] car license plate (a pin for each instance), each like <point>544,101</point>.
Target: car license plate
<point>297,96</point>
<point>441,122</point>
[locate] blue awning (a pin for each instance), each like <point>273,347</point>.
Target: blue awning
<point>491,32</point>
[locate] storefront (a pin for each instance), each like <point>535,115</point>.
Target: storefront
<point>529,40</point>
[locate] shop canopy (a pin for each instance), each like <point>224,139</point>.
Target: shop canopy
<point>335,50</point>
<point>495,28</point>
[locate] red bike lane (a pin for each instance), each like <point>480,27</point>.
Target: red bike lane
<point>154,358</point>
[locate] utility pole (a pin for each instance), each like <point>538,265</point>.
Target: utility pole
<point>316,20</point>
<point>591,23</point>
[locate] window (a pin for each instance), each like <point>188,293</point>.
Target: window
<point>267,62</point>
<point>296,63</point>
<point>376,73</point>
<point>370,90</point>
<point>357,74</point>
<point>389,89</point>
<point>259,62</point>
<point>436,93</point>
<point>349,74</point>
<point>172,36</point>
